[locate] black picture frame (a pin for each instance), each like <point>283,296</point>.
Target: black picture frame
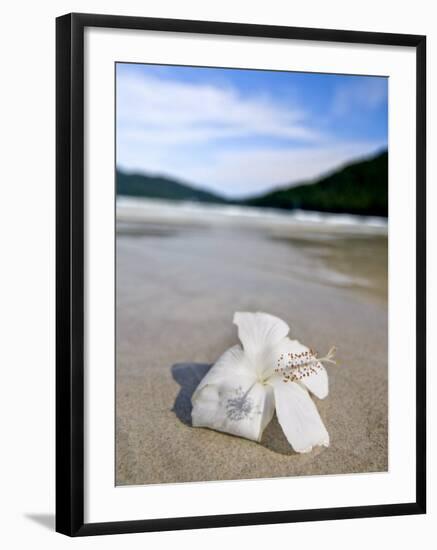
<point>70,273</point>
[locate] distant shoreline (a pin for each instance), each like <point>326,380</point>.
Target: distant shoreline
<point>136,209</point>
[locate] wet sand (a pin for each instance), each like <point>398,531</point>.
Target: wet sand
<point>179,281</point>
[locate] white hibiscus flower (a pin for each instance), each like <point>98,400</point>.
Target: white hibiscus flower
<point>241,391</point>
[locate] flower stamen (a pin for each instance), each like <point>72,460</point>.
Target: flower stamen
<point>296,366</point>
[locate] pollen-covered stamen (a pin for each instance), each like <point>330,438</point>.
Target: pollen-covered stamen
<point>296,366</point>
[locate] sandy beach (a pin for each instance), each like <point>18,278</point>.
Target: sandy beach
<point>182,272</point>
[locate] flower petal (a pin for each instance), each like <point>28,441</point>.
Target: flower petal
<point>260,334</point>
<point>230,399</point>
<point>316,382</point>
<point>259,330</point>
<point>298,416</point>
<point>231,363</point>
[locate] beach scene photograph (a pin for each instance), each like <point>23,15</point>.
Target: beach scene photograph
<point>251,274</point>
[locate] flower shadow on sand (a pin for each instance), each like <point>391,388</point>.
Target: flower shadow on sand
<point>188,376</point>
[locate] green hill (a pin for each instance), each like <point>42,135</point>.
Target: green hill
<point>359,188</point>
<point>140,185</point>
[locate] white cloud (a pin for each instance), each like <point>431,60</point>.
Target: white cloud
<point>151,109</point>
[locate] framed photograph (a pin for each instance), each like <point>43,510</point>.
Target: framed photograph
<point>240,274</point>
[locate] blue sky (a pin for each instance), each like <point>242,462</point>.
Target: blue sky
<point>243,132</point>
